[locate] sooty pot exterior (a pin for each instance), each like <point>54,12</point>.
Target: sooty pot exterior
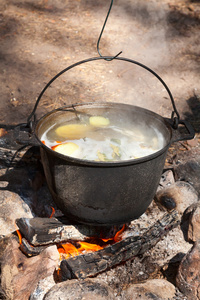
<point>102,195</point>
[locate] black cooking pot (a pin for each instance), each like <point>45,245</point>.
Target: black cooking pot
<point>106,193</point>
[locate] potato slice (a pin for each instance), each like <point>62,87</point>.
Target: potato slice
<point>68,148</point>
<point>72,131</point>
<point>99,121</point>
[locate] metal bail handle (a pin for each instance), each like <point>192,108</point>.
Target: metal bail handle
<point>175,117</point>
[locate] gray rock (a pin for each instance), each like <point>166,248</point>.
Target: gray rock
<point>194,223</point>
<point>42,288</point>
<point>190,172</point>
<point>11,208</point>
<point>89,289</point>
<point>20,274</point>
<point>179,195</point>
<point>156,289</point>
<point>188,276</point>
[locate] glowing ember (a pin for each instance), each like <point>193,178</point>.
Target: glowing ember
<point>106,240</point>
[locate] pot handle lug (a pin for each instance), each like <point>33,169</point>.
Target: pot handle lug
<point>188,133</point>
<point>24,136</point>
<point>32,141</point>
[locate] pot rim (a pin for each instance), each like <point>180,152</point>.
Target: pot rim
<point>102,163</point>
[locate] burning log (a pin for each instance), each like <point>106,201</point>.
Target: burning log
<point>29,250</point>
<point>43,231</point>
<point>91,264</point>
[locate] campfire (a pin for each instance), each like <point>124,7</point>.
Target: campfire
<point>115,225</point>
<point>43,231</point>
<point>82,256</point>
<point>124,255</point>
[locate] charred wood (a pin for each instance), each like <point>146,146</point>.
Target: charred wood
<point>91,264</point>
<point>43,231</point>
<point>29,250</point>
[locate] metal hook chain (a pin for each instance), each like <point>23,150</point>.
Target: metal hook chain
<point>108,59</point>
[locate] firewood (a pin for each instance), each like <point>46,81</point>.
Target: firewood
<point>29,250</point>
<point>91,264</point>
<point>43,231</point>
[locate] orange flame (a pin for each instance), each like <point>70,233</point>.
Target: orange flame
<point>19,236</point>
<point>53,212</point>
<point>106,240</point>
<point>117,235</point>
<point>89,247</point>
<point>68,249</point>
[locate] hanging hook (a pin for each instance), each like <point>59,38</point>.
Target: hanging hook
<point>108,59</point>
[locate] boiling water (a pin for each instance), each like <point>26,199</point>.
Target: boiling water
<point>98,139</point>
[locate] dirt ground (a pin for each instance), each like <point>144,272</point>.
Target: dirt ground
<point>39,38</point>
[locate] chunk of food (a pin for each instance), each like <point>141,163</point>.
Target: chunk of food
<point>116,151</point>
<point>99,121</point>
<point>69,148</point>
<point>72,131</point>
<point>101,156</point>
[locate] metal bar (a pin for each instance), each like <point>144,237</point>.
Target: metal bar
<point>98,42</point>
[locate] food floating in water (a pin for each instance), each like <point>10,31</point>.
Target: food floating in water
<point>99,121</point>
<point>68,148</point>
<point>97,138</point>
<point>72,131</point>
